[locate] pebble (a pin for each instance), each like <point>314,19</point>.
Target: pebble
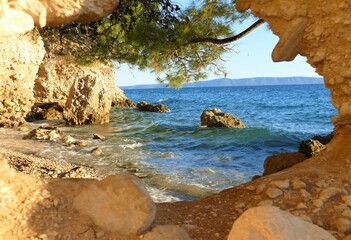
<point>282,184</point>
<point>273,192</point>
<point>98,136</point>
<point>343,225</point>
<point>340,208</point>
<point>326,194</point>
<point>265,203</point>
<point>96,151</point>
<point>305,194</point>
<point>260,188</point>
<point>301,206</point>
<point>251,188</point>
<point>297,184</point>
<point>321,184</point>
<point>347,200</point>
<point>318,203</point>
<point>240,205</point>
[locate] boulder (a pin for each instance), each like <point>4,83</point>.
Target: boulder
<point>216,118</point>
<point>167,232</point>
<point>88,102</point>
<point>314,145</point>
<point>20,58</point>
<point>279,162</point>
<point>270,223</point>
<point>119,100</point>
<point>44,134</point>
<point>144,106</point>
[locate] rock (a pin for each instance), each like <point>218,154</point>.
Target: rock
<point>251,188</point>
<point>119,204</point>
<point>20,16</point>
<point>265,203</point>
<point>328,193</point>
<point>57,76</point>
<point>260,188</point>
<point>342,225</point>
<point>20,58</point>
<point>144,106</point>
<point>347,200</point>
<point>305,194</point>
<point>279,162</point>
<point>346,213</point>
<point>217,118</point>
<point>96,151</point>
<point>318,203</point>
<point>45,134</point>
<point>98,136</point>
<point>281,184</point>
<point>301,205</point>
<point>311,147</point>
<point>88,102</point>
<point>41,111</point>
<point>267,222</point>
<point>166,232</point>
<point>119,100</point>
<point>273,192</point>
<point>297,184</point>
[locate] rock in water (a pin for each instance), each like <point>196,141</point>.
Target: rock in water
<point>314,145</point>
<point>144,106</point>
<point>279,162</point>
<point>269,223</point>
<point>217,118</point>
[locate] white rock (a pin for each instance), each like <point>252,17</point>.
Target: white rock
<point>167,232</point>
<point>271,223</point>
<point>326,194</point>
<point>282,184</point>
<point>118,204</point>
<point>274,192</point>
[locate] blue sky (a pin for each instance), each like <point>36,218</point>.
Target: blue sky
<point>252,59</point>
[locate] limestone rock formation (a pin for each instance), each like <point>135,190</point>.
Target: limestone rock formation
<point>217,118</point>
<point>19,16</point>
<point>144,106</point>
<point>20,58</point>
<point>269,223</point>
<point>41,111</point>
<point>276,163</point>
<point>318,30</point>
<point>58,74</point>
<point>88,102</point>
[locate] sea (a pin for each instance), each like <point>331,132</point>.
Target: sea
<point>177,159</point>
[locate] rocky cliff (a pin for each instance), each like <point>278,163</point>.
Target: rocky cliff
<point>20,58</point>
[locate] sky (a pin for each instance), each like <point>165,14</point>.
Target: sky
<point>251,59</point>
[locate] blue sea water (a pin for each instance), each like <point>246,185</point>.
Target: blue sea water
<point>178,158</point>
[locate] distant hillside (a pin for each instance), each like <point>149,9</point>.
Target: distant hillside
<point>226,82</point>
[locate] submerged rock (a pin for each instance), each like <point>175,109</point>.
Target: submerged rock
<point>267,222</point>
<point>217,118</point>
<point>279,162</point>
<point>144,106</point>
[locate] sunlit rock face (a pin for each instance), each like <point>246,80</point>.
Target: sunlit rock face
<point>20,16</point>
<point>20,57</point>
<point>319,30</point>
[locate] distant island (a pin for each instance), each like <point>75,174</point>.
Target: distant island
<point>227,82</point>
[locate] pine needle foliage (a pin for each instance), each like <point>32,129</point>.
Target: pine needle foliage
<point>178,43</point>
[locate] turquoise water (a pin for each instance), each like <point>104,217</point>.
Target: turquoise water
<point>178,159</point>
